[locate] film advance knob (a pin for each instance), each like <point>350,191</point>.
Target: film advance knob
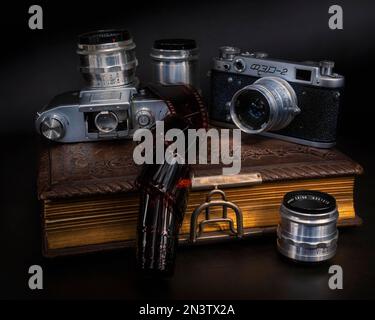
<point>52,128</point>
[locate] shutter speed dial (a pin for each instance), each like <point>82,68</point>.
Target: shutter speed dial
<point>144,117</point>
<point>53,128</point>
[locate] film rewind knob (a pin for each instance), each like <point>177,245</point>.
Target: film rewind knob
<point>326,67</point>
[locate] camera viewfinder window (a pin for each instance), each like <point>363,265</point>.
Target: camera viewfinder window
<point>304,75</point>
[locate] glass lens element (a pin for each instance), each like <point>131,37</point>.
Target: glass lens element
<point>106,121</point>
<point>252,109</point>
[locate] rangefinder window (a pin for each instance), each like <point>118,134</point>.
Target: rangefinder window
<point>104,122</point>
<point>304,75</point>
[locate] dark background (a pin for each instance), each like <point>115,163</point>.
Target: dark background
<point>38,64</point>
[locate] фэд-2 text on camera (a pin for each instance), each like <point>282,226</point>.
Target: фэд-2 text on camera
<point>112,106</point>
<point>298,102</point>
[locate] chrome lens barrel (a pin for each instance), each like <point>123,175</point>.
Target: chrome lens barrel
<point>175,61</point>
<point>268,104</point>
<point>307,231</point>
<point>107,58</point>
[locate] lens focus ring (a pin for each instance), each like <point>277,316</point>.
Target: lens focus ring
<point>107,58</point>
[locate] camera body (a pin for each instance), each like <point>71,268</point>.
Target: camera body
<point>298,102</point>
<point>112,106</point>
<point>99,114</point>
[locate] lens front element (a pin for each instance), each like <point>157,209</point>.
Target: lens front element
<point>252,109</point>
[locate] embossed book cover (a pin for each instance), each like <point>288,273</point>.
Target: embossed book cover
<point>90,203</point>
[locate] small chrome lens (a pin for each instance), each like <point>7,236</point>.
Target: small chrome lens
<point>268,104</point>
<point>307,231</point>
<point>106,121</point>
<point>175,61</point>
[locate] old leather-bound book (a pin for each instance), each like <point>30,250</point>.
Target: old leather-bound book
<point>90,203</point>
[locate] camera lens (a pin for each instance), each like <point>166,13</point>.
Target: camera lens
<point>175,61</point>
<point>252,109</point>
<point>307,231</point>
<point>268,104</point>
<point>106,121</point>
<point>107,58</point>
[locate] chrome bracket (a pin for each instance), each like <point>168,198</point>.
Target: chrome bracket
<point>195,234</point>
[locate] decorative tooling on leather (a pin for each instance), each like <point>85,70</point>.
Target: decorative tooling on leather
<point>68,170</point>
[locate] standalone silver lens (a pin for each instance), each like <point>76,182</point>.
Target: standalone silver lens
<point>106,121</point>
<point>107,58</point>
<point>307,231</point>
<point>175,61</point>
<point>268,104</point>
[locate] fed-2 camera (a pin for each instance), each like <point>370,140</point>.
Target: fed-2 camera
<point>298,102</point>
<point>112,106</point>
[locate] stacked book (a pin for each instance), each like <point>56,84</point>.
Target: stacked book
<point>90,202</point>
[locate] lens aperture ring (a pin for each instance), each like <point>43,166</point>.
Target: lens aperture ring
<point>308,242</point>
<point>116,68</point>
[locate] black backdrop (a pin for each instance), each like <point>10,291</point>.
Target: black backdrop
<point>38,64</point>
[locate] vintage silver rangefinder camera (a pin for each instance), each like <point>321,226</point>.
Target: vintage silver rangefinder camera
<point>112,106</point>
<point>298,102</point>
